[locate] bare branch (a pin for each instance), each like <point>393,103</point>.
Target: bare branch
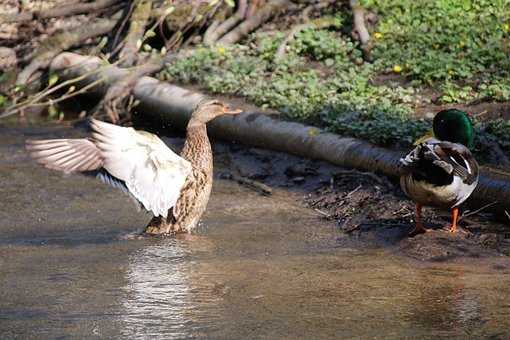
<point>63,41</point>
<point>59,11</point>
<point>262,15</point>
<point>295,30</point>
<point>228,24</point>
<point>139,20</point>
<point>358,13</point>
<point>118,94</point>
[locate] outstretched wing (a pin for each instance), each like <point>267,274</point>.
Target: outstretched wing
<point>151,171</point>
<point>67,155</point>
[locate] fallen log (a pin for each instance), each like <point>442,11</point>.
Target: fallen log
<point>59,11</point>
<point>172,105</point>
<point>53,45</point>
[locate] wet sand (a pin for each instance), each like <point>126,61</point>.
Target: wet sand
<point>258,267</point>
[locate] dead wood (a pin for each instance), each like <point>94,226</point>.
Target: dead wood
<point>8,59</point>
<point>250,183</point>
<point>60,11</point>
<point>358,14</point>
<point>280,53</point>
<point>307,23</point>
<point>207,40</point>
<point>251,23</point>
<point>360,31</point>
<point>221,29</point>
<point>118,94</point>
<point>172,105</point>
<point>61,42</point>
<point>132,42</point>
<point>254,5</point>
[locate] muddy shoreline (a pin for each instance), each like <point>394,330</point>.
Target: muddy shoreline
<point>370,210</point>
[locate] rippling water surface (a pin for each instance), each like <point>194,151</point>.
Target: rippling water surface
<point>261,267</point>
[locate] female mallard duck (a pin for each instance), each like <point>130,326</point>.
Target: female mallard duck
<point>175,189</point>
<point>441,171</point>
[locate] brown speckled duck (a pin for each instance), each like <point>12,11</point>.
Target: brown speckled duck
<point>174,188</point>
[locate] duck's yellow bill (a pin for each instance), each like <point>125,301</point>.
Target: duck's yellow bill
<point>423,138</point>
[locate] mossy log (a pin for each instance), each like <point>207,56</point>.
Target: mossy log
<point>172,105</point>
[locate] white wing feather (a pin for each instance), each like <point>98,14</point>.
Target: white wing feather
<point>153,173</point>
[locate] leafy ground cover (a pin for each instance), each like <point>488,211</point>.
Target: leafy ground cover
<point>426,54</point>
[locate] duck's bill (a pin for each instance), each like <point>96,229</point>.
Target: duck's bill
<point>423,138</point>
<point>229,111</point>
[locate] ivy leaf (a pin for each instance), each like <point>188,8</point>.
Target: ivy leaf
<point>3,100</point>
<point>230,3</point>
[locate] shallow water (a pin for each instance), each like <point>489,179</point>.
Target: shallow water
<point>259,267</point>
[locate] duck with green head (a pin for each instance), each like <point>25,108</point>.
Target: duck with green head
<point>441,171</point>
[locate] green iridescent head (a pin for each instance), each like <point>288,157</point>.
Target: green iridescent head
<point>454,126</point>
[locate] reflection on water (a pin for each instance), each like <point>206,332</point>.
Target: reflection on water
<point>161,300</point>
<point>447,306</point>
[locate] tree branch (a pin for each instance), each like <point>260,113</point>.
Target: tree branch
<point>139,20</point>
<point>250,24</point>
<point>118,93</point>
<point>227,25</point>
<point>360,31</point>
<point>59,11</point>
<point>63,41</point>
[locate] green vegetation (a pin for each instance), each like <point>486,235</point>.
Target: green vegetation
<point>444,40</point>
<point>455,49</point>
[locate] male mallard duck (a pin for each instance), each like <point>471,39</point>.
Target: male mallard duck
<point>441,171</point>
<point>175,189</point>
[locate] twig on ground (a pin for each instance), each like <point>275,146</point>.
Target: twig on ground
<point>325,214</point>
<point>373,176</point>
<point>353,191</point>
<point>258,186</point>
<point>467,213</point>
